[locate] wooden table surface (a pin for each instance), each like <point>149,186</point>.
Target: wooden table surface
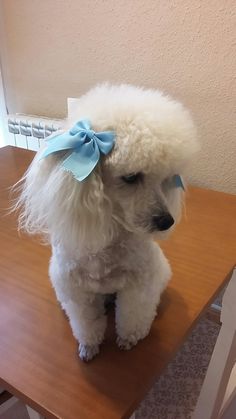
<point>38,359</point>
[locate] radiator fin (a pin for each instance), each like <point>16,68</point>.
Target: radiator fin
<point>29,132</point>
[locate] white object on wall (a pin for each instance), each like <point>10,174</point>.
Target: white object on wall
<point>29,131</point>
<point>26,131</point>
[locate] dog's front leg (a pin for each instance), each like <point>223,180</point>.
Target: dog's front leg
<point>88,322</point>
<point>136,304</point>
<point>135,312</point>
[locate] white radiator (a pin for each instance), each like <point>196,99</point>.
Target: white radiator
<point>29,132</point>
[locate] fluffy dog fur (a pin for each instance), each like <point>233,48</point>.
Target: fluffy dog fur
<point>101,229</point>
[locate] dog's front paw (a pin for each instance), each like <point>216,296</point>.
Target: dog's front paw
<point>127,343</point>
<point>88,352</point>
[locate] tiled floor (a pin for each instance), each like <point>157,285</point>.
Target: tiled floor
<point>17,411</point>
<point>175,394</point>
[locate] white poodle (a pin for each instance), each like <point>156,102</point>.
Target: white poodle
<point>100,209</point>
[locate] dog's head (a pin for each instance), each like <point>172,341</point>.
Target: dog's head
<point>133,188</point>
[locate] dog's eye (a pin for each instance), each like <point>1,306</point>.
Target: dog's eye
<point>132,178</point>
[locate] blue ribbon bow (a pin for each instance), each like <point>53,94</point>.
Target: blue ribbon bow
<point>178,182</point>
<point>84,148</point>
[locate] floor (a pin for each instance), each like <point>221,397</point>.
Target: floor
<point>175,394</point>
<point>17,411</point>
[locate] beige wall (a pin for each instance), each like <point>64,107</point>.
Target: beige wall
<point>60,48</point>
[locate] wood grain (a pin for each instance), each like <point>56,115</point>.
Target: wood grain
<point>38,359</point>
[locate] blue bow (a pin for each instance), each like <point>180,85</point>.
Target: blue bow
<point>84,148</point>
<point>178,182</point>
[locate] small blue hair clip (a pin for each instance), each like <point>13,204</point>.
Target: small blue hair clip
<point>84,148</point>
<point>178,182</point>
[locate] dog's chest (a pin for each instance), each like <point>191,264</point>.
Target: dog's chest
<point>109,270</point>
<point>106,264</point>
<point>97,268</point>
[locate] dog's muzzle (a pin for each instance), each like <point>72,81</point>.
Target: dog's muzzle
<point>162,222</point>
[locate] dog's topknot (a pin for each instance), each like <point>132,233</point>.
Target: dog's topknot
<point>154,133</point>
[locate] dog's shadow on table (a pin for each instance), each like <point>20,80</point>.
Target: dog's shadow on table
<point>138,367</point>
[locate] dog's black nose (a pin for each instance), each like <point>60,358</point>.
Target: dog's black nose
<point>162,222</point>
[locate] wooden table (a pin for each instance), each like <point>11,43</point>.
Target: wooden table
<point>38,355</point>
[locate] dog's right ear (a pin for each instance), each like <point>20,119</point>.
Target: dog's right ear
<point>63,210</point>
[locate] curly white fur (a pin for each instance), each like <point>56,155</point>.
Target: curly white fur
<point>100,228</point>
